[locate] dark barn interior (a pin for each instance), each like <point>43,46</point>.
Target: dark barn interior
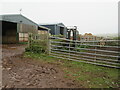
<point>62,30</point>
<point>9,32</point>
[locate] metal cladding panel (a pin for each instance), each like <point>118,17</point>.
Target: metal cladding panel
<point>65,32</point>
<point>55,28</point>
<point>25,28</point>
<point>58,31</point>
<point>52,27</point>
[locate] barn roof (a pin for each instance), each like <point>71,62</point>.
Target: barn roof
<point>17,18</point>
<point>59,24</point>
<point>43,28</point>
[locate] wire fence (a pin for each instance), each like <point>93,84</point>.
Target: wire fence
<point>102,52</point>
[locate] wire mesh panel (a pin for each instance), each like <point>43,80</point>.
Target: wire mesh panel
<point>103,53</point>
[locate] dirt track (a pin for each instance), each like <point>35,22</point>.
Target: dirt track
<point>20,72</point>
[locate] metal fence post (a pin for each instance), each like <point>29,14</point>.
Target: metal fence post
<point>75,45</point>
<point>95,51</point>
<point>95,54</point>
<point>69,49</point>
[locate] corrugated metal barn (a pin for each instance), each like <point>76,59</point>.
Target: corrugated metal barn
<point>15,28</point>
<point>56,29</point>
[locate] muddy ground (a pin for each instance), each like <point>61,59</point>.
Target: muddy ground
<point>21,72</point>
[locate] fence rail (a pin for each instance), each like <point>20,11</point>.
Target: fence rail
<point>87,44</point>
<point>87,51</point>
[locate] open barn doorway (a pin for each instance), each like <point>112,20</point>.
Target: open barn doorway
<point>9,32</point>
<point>62,30</point>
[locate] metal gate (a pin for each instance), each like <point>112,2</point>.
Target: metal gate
<point>103,53</point>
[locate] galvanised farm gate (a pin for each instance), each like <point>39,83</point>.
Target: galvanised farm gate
<point>103,53</point>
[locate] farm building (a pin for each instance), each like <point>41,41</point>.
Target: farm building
<point>43,30</point>
<point>56,28</point>
<point>16,27</point>
<point>89,37</point>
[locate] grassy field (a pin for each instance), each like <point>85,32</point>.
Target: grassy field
<point>90,76</point>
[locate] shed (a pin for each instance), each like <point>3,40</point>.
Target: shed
<point>15,28</point>
<point>56,28</point>
<point>43,30</point>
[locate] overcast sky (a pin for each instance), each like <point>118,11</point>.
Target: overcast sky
<point>97,17</point>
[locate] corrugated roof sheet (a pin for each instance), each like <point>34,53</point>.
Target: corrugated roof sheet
<point>59,24</point>
<point>17,18</point>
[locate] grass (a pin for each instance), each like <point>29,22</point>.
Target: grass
<point>23,43</point>
<point>90,76</point>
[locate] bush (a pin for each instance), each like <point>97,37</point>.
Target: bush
<point>35,49</point>
<point>38,43</point>
<point>37,46</point>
